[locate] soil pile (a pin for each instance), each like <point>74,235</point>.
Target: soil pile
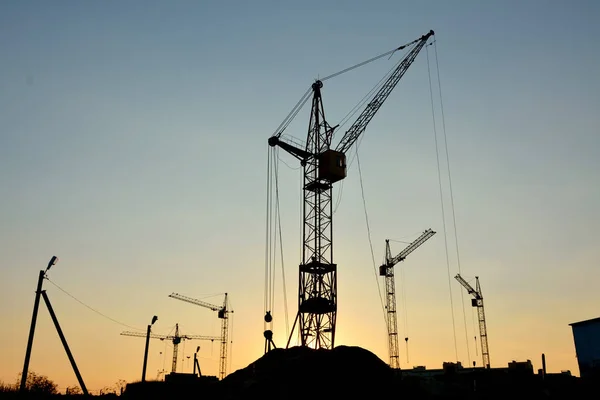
<point>301,372</point>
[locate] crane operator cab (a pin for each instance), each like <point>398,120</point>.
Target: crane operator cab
<point>332,165</point>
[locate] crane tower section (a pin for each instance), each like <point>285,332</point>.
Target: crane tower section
<point>323,166</point>
<point>318,274</point>
<point>477,301</point>
<point>387,270</point>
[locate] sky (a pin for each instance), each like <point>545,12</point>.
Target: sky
<point>133,146</point>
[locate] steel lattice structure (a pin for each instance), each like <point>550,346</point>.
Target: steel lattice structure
<point>323,166</point>
<point>176,339</point>
<point>387,270</point>
<point>223,314</point>
<point>477,301</point>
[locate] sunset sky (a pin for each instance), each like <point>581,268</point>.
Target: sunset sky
<point>133,146</point>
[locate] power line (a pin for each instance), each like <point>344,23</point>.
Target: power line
<point>91,308</point>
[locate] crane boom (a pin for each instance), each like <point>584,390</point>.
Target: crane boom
<point>359,126</point>
<point>195,301</point>
<point>170,337</point>
<point>413,246</point>
<point>323,166</point>
<point>477,301</point>
<point>387,270</point>
<point>222,312</point>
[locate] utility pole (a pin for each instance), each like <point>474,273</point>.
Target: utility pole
<point>154,319</point>
<point>196,363</point>
<point>36,306</point>
<point>39,292</point>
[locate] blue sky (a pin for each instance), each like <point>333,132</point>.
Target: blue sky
<point>133,146</point>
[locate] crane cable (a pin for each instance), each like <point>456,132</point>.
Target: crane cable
<point>404,308</point>
<point>437,154</point>
<point>273,238</point>
<point>230,338</point>
<point>437,65</point>
<point>278,211</point>
<point>292,114</point>
<point>267,283</point>
<point>352,112</point>
<point>369,237</point>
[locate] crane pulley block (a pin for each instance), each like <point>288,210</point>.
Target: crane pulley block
<point>332,165</point>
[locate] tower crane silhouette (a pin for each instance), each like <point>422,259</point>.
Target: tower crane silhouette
<point>323,166</point>
<point>176,339</point>
<point>387,270</point>
<point>223,314</point>
<point>477,301</point>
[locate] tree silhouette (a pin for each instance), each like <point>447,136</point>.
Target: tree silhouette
<point>74,390</point>
<point>120,386</point>
<point>38,384</point>
<point>7,387</point>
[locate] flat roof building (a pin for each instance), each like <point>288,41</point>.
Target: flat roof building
<point>586,335</point>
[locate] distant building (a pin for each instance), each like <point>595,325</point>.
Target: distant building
<point>586,335</point>
<point>524,367</point>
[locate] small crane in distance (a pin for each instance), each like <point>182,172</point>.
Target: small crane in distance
<point>323,166</point>
<point>176,339</point>
<point>222,313</point>
<point>387,270</point>
<point>477,301</point>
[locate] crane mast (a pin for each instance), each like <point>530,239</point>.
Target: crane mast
<point>387,270</point>
<point>222,313</point>
<point>176,339</point>
<point>317,286</point>
<point>477,301</point>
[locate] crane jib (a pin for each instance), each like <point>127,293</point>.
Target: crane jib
<point>360,124</point>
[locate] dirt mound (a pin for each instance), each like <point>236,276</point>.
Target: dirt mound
<point>299,372</point>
